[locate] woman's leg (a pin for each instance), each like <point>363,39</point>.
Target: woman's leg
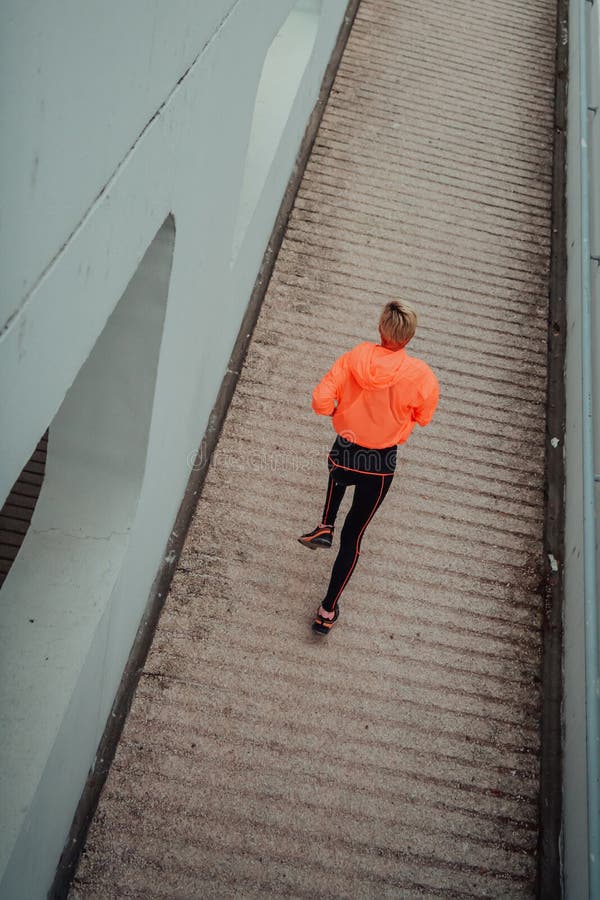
<point>369,493</point>
<point>335,494</point>
<point>322,535</point>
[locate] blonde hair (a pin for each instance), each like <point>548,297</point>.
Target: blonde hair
<point>397,323</point>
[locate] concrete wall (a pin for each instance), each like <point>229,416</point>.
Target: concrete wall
<point>575,845</point>
<point>146,148</point>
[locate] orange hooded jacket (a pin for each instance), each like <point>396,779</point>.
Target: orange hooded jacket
<point>380,394</point>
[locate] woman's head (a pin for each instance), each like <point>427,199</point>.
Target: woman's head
<point>397,324</point>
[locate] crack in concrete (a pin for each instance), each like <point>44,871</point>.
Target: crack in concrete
<point>80,537</point>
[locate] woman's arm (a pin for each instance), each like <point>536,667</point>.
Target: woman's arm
<point>429,393</point>
<point>328,392</point>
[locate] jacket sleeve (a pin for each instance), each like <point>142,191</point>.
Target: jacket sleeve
<point>329,389</point>
<point>429,394</point>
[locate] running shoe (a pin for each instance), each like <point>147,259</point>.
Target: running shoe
<point>322,625</point>
<point>322,536</point>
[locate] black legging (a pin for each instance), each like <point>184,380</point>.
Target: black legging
<point>369,492</point>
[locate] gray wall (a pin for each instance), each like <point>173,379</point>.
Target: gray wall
<point>575,787</point>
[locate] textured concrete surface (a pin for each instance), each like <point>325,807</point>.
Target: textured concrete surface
<point>399,756</point>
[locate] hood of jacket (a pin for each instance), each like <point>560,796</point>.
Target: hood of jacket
<point>375,366</point>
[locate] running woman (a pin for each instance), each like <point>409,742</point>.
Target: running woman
<point>374,393</point>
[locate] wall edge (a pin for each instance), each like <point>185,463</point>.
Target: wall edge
<point>549,884</point>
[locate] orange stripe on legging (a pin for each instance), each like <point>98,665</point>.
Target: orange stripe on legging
<point>360,534</point>
<point>326,513</point>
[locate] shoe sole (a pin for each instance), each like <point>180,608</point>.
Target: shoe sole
<point>314,544</point>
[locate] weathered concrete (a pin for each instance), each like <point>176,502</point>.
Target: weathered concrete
<point>398,757</point>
